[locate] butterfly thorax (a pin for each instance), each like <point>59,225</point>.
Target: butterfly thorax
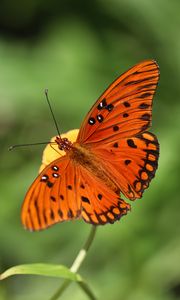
<point>82,155</point>
<point>63,143</point>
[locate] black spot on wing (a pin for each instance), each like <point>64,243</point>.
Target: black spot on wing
<point>115,145</point>
<point>102,104</point>
<point>145,95</point>
<point>44,178</point>
<point>100,118</point>
<point>127,104</point>
<point>91,121</point>
<point>53,198</point>
<point>55,175</point>
<point>131,143</point>
<point>127,162</point>
<point>99,196</point>
<point>115,128</point>
<point>55,168</point>
<point>110,107</point>
<point>70,214</point>
<point>85,199</point>
<point>60,213</point>
<point>61,197</point>
<point>143,105</point>
<point>52,215</point>
<point>125,115</point>
<point>49,184</point>
<point>145,117</point>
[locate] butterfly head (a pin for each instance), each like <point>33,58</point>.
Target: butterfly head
<point>63,143</point>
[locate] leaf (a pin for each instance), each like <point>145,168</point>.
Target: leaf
<point>59,271</point>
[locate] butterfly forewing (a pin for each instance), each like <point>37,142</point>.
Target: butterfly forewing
<point>125,108</point>
<point>52,196</point>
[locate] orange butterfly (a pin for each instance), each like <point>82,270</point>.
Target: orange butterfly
<point>113,154</point>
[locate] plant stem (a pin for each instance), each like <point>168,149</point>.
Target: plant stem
<point>75,267</point>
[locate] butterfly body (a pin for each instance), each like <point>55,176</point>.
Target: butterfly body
<point>88,160</point>
<point>63,143</point>
<point>113,154</point>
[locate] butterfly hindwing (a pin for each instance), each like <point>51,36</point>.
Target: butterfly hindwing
<point>99,204</point>
<point>125,108</point>
<point>131,162</point>
<point>52,196</point>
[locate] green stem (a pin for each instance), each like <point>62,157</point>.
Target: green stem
<point>87,290</point>
<point>75,267</point>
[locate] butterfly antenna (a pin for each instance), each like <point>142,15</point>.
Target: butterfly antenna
<point>24,145</point>
<point>52,113</point>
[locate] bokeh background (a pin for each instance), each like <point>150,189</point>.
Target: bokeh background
<point>76,49</point>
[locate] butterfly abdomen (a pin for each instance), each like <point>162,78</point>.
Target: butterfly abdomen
<point>85,157</point>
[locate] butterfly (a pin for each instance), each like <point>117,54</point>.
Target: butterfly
<point>113,154</point>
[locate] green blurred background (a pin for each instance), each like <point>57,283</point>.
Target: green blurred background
<point>76,49</point>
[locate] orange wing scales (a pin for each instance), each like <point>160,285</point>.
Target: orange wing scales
<point>100,205</point>
<point>52,196</point>
<point>68,193</point>
<point>131,162</point>
<point>125,108</point>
